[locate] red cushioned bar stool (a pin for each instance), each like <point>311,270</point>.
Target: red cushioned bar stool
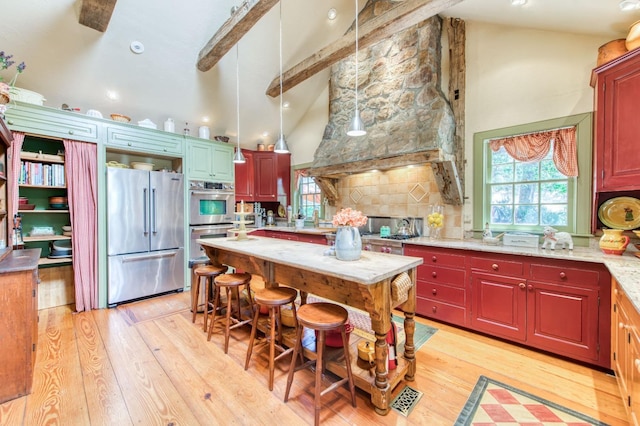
<point>231,283</point>
<point>273,299</point>
<point>208,272</point>
<point>321,317</point>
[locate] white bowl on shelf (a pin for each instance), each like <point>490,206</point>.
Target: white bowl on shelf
<point>142,166</point>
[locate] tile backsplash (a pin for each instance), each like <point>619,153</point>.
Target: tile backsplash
<point>408,191</point>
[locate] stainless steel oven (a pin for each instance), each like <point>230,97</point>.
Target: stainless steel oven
<point>196,252</point>
<point>211,203</point>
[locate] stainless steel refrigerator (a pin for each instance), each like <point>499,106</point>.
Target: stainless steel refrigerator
<point>145,233</point>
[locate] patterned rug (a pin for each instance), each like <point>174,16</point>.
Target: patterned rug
<point>494,403</point>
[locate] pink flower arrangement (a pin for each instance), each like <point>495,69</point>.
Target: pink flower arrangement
<point>349,217</point>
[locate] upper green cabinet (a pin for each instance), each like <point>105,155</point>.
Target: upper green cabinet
<point>133,138</point>
<point>210,161</point>
<point>56,123</point>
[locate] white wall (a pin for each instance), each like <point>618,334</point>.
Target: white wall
<point>307,135</point>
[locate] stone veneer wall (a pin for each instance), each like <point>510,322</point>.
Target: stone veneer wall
<point>400,192</point>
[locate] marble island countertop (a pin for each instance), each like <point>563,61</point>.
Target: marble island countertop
<point>625,268</point>
<point>370,268</point>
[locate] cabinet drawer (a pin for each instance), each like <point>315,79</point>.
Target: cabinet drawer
<point>440,311</point>
<point>144,140</point>
<point>47,122</point>
<point>441,293</point>
<point>565,275</point>
<point>436,274</point>
<point>500,266</point>
<point>433,257</point>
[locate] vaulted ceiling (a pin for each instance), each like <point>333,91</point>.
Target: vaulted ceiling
<point>77,50</point>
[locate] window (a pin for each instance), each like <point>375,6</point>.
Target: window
<point>524,195</point>
<point>514,195</point>
<point>309,196</point>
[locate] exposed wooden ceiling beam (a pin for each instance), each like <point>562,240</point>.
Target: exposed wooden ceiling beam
<point>240,22</point>
<point>96,14</point>
<point>401,17</point>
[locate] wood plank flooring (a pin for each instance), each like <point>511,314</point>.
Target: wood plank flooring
<point>147,363</point>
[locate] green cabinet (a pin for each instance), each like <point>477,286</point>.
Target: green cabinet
<point>132,138</point>
<point>51,122</point>
<point>210,161</point>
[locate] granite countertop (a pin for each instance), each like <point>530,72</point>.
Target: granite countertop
<point>369,269</point>
<point>625,269</point>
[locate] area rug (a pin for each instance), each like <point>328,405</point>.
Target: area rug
<point>494,403</point>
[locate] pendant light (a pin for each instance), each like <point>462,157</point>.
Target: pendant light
<point>281,145</point>
<point>357,126</point>
<point>238,157</point>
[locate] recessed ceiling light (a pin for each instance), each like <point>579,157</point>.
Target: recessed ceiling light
<point>518,2</point>
<point>332,14</point>
<point>285,104</point>
<point>265,134</point>
<point>136,47</point>
<point>205,119</point>
<point>627,5</point>
<point>112,95</point>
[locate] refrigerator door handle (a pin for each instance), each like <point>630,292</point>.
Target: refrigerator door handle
<point>154,214</point>
<point>146,257</point>
<point>145,209</point>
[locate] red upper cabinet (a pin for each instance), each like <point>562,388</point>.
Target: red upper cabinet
<point>244,177</point>
<point>264,177</point>
<point>617,128</point>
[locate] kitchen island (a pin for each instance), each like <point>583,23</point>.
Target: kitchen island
<point>363,284</point>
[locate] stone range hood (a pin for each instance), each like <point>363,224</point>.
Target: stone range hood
<point>407,118</point>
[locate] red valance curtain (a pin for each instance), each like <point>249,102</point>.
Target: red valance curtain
<point>297,174</point>
<point>535,146</point>
<point>82,192</point>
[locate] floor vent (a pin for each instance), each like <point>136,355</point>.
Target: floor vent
<point>406,400</point>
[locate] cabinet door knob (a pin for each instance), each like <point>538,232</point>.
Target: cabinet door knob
<point>434,274</point>
<point>434,291</point>
<point>621,325</point>
<point>70,132</point>
<point>434,309</point>
<point>530,287</point>
<point>495,266</point>
<point>128,143</point>
<point>637,364</point>
<point>9,121</point>
<point>433,259</point>
<point>563,275</point>
<point>522,285</point>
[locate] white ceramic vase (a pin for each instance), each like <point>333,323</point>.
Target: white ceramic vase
<point>348,243</point>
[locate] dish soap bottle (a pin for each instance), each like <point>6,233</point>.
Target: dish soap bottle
<point>487,232</point>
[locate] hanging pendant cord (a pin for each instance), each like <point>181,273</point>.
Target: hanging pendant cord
<point>238,91</point>
<point>356,56</point>
<point>281,129</point>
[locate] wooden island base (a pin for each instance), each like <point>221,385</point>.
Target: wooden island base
<point>363,284</point>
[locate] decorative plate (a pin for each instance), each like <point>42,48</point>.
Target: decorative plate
<point>620,213</point>
<point>281,211</point>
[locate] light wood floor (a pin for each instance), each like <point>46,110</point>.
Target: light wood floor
<point>146,363</point>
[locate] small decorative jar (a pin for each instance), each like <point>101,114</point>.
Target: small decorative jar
<point>348,243</point>
<point>5,95</point>
<point>613,242</point>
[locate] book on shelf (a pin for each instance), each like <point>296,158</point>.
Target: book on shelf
<point>41,174</point>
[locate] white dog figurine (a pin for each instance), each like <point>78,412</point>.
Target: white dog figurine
<point>552,237</point>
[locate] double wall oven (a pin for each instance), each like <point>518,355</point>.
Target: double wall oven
<point>211,212</point>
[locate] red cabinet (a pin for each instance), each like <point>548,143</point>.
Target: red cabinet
<point>264,177</point>
<point>560,306</point>
<point>441,286</point>
<point>617,128</point>
<point>616,165</point>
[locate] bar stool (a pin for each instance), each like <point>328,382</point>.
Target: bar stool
<point>208,272</point>
<point>321,317</point>
<point>231,282</point>
<point>272,298</point>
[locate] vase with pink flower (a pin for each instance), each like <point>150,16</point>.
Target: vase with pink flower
<point>348,244</point>
<point>6,61</point>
